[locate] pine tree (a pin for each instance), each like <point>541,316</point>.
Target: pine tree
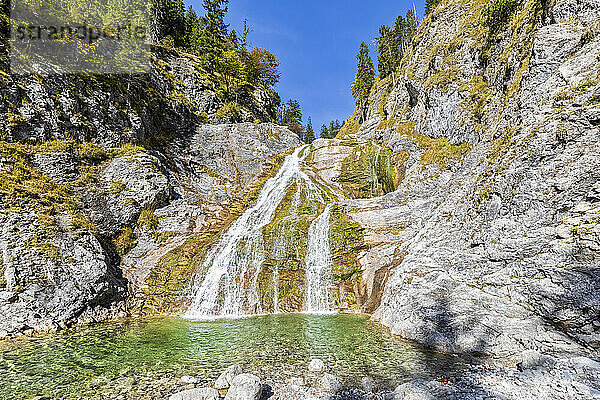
<point>293,112</point>
<point>324,132</point>
<point>399,33</point>
<point>365,76</point>
<point>169,21</point>
<point>245,32</point>
<point>331,131</point>
<point>232,40</point>
<point>388,58</point>
<point>411,26</point>
<point>334,127</point>
<point>309,134</point>
<point>214,31</point>
<point>290,115</point>
<point>192,30</point>
<point>213,20</point>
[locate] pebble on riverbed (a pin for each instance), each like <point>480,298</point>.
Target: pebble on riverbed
<point>190,380</point>
<point>316,365</point>
<point>540,377</point>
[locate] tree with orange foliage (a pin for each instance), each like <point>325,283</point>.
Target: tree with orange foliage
<point>263,67</point>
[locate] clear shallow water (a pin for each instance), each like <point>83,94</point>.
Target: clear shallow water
<point>103,360</point>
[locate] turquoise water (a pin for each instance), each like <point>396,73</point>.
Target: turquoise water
<point>130,357</point>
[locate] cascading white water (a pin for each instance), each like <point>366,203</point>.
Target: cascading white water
<point>226,290</point>
<point>318,266</point>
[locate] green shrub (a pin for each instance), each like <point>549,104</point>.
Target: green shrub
<point>498,13</point>
<point>125,241</point>
<point>228,110</point>
<point>148,220</point>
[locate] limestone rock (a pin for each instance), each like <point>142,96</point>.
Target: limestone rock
<point>226,378</point>
<point>60,167</point>
<point>196,394</point>
<point>190,380</point>
<point>316,365</point>
<point>496,250</point>
<point>329,383</point>
<point>533,359</point>
<point>367,384</point>
<point>244,387</point>
<point>416,390</point>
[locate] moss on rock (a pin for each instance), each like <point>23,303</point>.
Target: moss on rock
<point>173,274</point>
<point>437,151</point>
<point>368,172</point>
<point>346,239</point>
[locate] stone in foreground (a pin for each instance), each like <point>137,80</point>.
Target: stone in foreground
<point>329,383</point>
<point>224,380</point>
<point>367,384</point>
<point>196,394</point>
<point>244,387</point>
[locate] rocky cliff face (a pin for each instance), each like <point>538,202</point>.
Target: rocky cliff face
<point>490,241</point>
<point>103,177</point>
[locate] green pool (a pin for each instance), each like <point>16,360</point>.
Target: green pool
<point>145,358</point>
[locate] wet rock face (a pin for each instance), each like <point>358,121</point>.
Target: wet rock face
<point>494,251</point>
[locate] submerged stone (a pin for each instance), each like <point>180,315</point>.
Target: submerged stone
<point>189,380</point>
<point>316,365</point>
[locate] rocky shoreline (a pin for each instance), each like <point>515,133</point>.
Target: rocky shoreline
<point>536,376</point>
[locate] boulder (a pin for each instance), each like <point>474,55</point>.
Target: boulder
<point>415,390</point>
<point>224,380</point>
<point>329,383</point>
<point>8,297</point>
<point>244,387</point>
<point>196,394</point>
<point>367,384</point>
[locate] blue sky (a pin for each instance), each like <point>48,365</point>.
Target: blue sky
<point>316,42</point>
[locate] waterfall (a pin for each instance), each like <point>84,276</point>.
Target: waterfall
<point>230,286</point>
<point>318,265</point>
